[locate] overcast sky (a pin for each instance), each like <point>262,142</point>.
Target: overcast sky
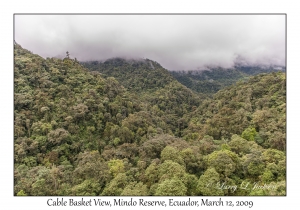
<point>177,42</point>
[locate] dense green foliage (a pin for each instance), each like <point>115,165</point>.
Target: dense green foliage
<point>158,92</point>
<point>132,129</point>
<point>255,109</point>
<point>211,81</point>
<point>137,75</point>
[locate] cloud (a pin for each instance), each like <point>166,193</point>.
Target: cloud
<point>177,42</point>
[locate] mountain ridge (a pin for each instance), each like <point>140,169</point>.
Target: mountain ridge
<point>212,80</point>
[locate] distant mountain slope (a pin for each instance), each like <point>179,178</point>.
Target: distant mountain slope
<point>136,75</point>
<point>258,105</point>
<point>212,80</point>
<point>254,70</point>
<point>155,87</point>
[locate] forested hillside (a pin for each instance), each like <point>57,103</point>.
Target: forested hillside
<point>255,109</point>
<point>211,81</point>
<point>129,128</point>
<point>158,92</point>
<point>134,74</point>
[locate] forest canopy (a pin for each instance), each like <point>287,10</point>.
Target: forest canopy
<point>126,127</point>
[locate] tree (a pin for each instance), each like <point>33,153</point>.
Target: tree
<point>152,173</point>
<point>116,186</point>
<point>170,169</point>
<point>253,164</point>
<point>86,188</point>
<point>239,145</point>
<point>135,189</point>
<point>21,193</point>
<point>193,160</point>
<point>273,156</point>
<point>224,161</point>
<point>170,153</point>
<point>80,111</point>
<point>249,134</point>
<point>171,187</point>
<point>207,145</point>
<point>208,182</point>
<point>116,167</point>
<point>90,165</point>
<point>58,135</point>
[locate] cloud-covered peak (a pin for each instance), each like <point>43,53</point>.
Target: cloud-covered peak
<point>177,42</point>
